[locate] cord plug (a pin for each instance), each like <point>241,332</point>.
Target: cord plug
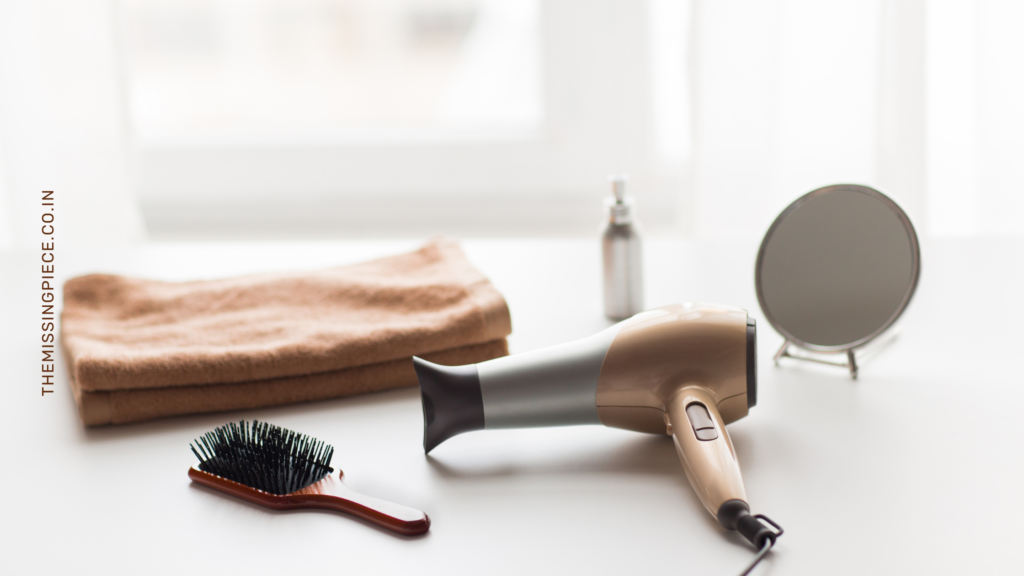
<point>753,529</point>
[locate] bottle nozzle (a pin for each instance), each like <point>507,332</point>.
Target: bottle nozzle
<point>619,186</point>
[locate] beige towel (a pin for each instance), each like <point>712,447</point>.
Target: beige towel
<point>142,349</point>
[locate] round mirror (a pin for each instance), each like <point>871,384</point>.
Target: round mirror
<point>837,268</point>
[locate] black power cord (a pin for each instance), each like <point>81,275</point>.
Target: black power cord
<point>767,537</point>
<point>757,559</point>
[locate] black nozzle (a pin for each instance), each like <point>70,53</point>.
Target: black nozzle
<point>751,362</point>
<point>452,403</point>
<point>735,515</point>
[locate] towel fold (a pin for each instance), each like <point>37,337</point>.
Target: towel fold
<point>143,349</point>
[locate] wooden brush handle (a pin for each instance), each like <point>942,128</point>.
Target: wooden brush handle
<point>329,494</point>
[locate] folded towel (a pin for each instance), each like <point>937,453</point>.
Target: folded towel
<point>143,349</point>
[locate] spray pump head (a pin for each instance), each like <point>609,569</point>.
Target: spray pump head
<point>619,206</point>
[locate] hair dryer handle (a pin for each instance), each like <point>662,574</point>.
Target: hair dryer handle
<point>706,451</point>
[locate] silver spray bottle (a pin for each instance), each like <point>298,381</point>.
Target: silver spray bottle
<point>620,248</point>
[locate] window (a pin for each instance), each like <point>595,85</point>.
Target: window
<point>356,117</point>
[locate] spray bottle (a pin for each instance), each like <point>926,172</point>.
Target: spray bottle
<point>620,247</point>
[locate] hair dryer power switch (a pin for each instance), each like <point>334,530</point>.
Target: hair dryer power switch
<point>701,422</point>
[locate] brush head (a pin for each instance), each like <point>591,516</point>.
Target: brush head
<point>263,456</point>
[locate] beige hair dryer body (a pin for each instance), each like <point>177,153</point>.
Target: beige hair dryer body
<point>685,370</point>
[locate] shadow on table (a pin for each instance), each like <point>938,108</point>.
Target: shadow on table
<point>264,510</point>
<point>631,453</point>
<point>195,424</point>
<point>644,454</point>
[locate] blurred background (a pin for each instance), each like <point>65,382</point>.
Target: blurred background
<point>170,120</point>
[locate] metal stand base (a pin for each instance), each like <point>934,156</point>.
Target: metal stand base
<point>865,350</point>
<point>851,358</point>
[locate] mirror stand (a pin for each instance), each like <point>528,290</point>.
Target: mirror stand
<point>851,358</point>
<point>788,350</point>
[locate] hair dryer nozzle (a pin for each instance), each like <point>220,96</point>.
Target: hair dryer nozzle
<point>452,402</point>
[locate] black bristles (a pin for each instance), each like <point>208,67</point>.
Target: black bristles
<point>263,456</point>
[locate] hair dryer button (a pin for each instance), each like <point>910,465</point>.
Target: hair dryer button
<point>700,420</point>
<point>707,434</point>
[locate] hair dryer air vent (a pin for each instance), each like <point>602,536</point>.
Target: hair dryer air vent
<point>751,362</point>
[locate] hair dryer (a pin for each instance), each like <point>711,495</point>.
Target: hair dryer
<point>684,370</point>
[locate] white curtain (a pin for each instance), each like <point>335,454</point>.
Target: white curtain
<point>63,125</point>
<point>923,99</point>
<point>976,116</point>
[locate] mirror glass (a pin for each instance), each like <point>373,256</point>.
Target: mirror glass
<point>837,267</point>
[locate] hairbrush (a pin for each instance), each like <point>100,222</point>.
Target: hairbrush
<point>284,470</point>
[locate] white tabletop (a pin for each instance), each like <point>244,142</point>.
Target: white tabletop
<point>916,467</point>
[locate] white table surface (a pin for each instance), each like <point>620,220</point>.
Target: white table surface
<point>917,467</point>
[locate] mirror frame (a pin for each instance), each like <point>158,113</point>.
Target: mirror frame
<point>915,263</point>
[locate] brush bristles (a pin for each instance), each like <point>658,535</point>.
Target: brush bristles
<point>263,456</point>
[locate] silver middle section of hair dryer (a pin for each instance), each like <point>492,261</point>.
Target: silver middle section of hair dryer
<point>554,386</point>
